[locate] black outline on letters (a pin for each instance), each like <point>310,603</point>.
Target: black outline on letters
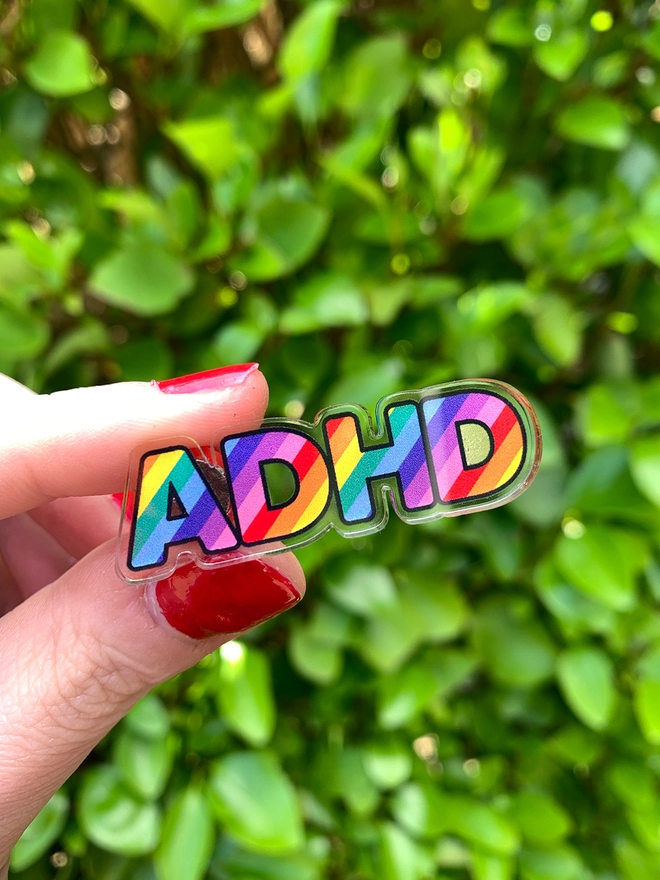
<point>280,426</point>
<point>292,470</point>
<point>166,548</point>
<point>525,446</point>
<point>387,431</point>
<point>172,497</point>
<point>473,467</point>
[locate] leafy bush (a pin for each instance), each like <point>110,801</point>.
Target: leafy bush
<point>368,198</point>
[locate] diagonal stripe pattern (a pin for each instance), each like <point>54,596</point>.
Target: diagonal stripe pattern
<point>454,481</point>
<point>153,530</point>
<point>243,456</point>
<point>355,467</point>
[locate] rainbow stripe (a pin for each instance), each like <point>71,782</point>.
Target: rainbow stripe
<point>155,529</point>
<point>355,467</point>
<point>245,454</point>
<point>443,416</point>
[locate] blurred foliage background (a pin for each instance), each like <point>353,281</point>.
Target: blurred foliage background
<point>368,197</point>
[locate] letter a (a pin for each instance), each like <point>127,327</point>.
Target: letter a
<point>477,443</point>
<point>402,457</point>
<point>174,505</point>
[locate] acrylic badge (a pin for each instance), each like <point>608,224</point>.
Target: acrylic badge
<point>442,451</point>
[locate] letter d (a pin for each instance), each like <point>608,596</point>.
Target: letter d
<point>259,519</point>
<point>477,443</point>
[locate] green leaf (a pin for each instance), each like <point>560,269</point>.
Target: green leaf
<point>211,143</point>
<point>422,810</point>
<point>644,226</point>
<point>540,819</point>
<point>245,696</point>
<point>400,857</point>
<point>513,646</point>
<point>586,678</point>
<point>312,658</point>
<point>595,121</point>
<point>560,56</point>
<point>141,278</point>
<point>187,838</point>
<point>644,819</point>
<point>474,54</point>
<point>387,765</point>
<point>603,487</point>
<point>363,589</point>
<point>377,78</point>
<point>603,562</point>
<point>288,229</point>
<point>348,779</point>
<point>113,818</point>
<point>165,14</point>
<point>571,606</point>
<point>645,233</point>
<point>91,337</point>
<point>257,803</point>
<point>612,69</point>
<point>485,307</point>
<point>231,862</point>
<point>606,414</point>
<point>510,26</point>
<point>645,466</point>
<point>237,342</point>
<point>145,763</point>
<point>221,14</point>
<point>53,254</point>
<point>634,784</point>
<point>142,360</point>
<point>308,42</point>
<point>647,708</point>
<point>425,611</point>
<point>22,334</point>
<point>481,824</point>
<point>149,718</point>
<point>558,329</point>
<point>369,384</point>
<point>19,279</point>
<point>551,864</point>
<point>61,66</point>
<point>41,833</point>
<point>328,300</point>
<point>489,867</point>
<point>496,216</point>
<point>403,695</point>
<point>331,625</point>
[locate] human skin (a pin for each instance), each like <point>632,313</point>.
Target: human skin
<point>78,646</point>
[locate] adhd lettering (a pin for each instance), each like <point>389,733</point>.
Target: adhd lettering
<point>441,451</point>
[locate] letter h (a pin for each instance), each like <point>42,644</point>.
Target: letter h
<point>403,457</point>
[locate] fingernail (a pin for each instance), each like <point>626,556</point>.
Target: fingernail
<point>209,380</point>
<point>206,602</point>
<point>118,500</point>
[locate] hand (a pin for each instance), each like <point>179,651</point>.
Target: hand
<point>78,646</point>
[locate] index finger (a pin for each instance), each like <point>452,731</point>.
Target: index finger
<point>78,442</point>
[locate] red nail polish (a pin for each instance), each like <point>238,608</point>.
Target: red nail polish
<point>206,602</point>
<point>118,499</point>
<point>209,380</point>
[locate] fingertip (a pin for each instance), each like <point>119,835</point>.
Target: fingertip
<point>289,565</point>
<point>258,388</point>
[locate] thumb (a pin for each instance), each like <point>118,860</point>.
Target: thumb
<point>79,653</point>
